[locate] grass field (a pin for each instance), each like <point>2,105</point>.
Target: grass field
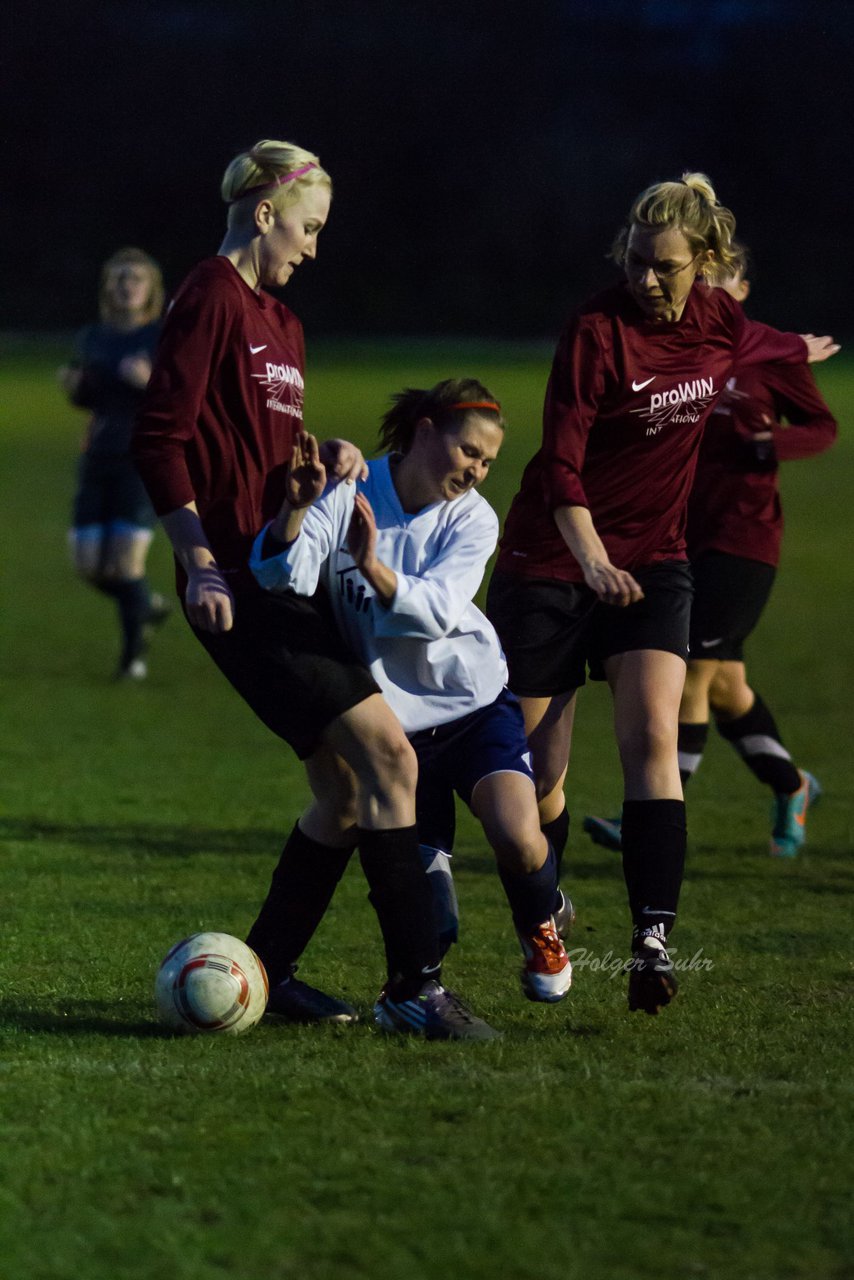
<point>586,1144</point>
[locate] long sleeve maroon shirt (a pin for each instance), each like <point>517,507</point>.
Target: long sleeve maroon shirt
<point>734,506</point>
<point>222,407</point>
<point>624,411</point>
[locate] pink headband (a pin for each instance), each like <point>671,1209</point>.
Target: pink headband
<point>276,182</point>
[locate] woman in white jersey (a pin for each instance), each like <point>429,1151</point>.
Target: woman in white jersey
<point>401,556</point>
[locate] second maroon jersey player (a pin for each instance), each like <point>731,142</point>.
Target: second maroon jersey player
<point>593,569</point>
<point>735,504</point>
<point>624,412</point>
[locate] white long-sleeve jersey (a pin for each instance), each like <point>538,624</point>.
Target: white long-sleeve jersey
<point>435,656</point>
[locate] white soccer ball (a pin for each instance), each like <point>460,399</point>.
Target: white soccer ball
<point>211,982</point>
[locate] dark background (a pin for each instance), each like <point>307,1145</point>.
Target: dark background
<point>483,154</point>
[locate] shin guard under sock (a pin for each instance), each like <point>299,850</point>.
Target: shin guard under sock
<point>654,840</point>
<point>300,892</point>
<point>402,898</point>
<point>531,894</point>
<point>756,738</point>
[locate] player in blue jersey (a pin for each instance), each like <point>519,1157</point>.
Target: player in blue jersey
<point>113,520</point>
<point>400,558</point>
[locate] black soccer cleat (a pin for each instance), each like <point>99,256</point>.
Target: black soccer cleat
<point>652,982</point>
<point>296,1001</point>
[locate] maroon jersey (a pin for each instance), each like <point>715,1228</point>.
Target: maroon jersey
<point>735,502</point>
<point>221,409</point>
<point>624,411</point>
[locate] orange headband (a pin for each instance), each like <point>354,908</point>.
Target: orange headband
<point>476,404</point>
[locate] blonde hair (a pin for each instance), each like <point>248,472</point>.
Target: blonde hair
<point>739,267</point>
<point>446,405</point>
<point>255,172</point>
<point>136,258</point>
<point>691,206</point>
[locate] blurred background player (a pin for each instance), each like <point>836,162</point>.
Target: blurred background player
<point>592,568</point>
<point>401,559</point>
<point>113,520</point>
<point>213,443</point>
<point>769,413</point>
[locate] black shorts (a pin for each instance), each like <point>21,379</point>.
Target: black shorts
<point>110,492</point>
<point>730,594</point>
<point>286,659</point>
<point>552,631</point>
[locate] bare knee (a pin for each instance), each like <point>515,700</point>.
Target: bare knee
<point>648,741</point>
<point>520,850</point>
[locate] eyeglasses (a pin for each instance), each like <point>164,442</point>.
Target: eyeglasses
<point>636,267</point>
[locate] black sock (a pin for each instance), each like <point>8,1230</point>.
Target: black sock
<point>133,597</point>
<point>300,891</point>
<point>402,898</point>
<point>654,839</point>
<point>557,834</point>
<point>531,894</point>
<point>756,738</point>
<point>691,744</point>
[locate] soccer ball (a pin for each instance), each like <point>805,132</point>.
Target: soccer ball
<point>211,982</point>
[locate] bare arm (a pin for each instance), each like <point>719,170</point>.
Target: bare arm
<point>612,585</point>
<point>210,604</point>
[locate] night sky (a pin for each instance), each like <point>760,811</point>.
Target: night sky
<point>483,153</point>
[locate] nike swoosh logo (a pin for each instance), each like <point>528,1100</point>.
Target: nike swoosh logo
<point>710,644</point>
<point>639,386</point>
<point>254,350</point>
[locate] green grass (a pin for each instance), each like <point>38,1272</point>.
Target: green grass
<point>587,1144</point>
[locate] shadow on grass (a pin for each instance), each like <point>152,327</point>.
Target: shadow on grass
<point>87,1017</point>
<point>167,841</point>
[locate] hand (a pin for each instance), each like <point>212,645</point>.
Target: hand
<point>613,586</point>
<point>343,460</point>
<point>136,370</point>
<point>362,533</point>
<point>306,473</point>
<point>819,349</point>
<point>210,604</point>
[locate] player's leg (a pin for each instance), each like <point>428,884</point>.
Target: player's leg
<point>311,864</point>
<point>548,726</point>
<point>123,576</point>
<point>647,689</point>
<point>694,715</point>
<point>744,720</point>
<point>505,804</point>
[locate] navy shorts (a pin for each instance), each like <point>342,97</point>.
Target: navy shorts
<point>110,492</point>
<point>552,632</point>
<point>730,594</point>
<point>286,659</point>
<point>454,757</point>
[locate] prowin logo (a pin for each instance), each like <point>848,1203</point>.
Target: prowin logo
<point>285,386</point>
<point>682,404</point>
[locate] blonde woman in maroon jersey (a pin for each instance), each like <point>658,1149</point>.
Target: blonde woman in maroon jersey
<point>592,570</point>
<point>213,444</point>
